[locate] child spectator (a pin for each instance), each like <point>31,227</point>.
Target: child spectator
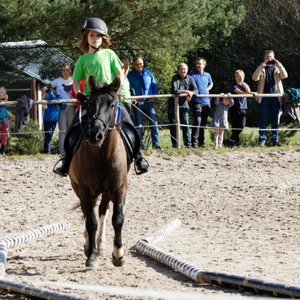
<point>4,121</point>
<point>51,116</point>
<point>220,120</point>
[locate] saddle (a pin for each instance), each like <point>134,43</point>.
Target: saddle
<point>129,134</point>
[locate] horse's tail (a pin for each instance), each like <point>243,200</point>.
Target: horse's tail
<point>76,206</point>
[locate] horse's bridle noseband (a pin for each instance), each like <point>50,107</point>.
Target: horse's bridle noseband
<point>107,127</point>
<point>112,124</point>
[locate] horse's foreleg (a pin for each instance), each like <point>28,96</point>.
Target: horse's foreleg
<point>90,246</point>
<point>118,255</point>
<point>103,213</point>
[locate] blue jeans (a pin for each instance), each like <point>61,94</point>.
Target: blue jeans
<point>49,128</point>
<point>265,106</point>
<point>184,120</point>
<point>148,109</point>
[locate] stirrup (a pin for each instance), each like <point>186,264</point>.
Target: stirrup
<point>139,171</point>
<point>62,170</point>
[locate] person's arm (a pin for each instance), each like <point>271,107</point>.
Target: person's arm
<point>282,71</point>
<point>120,74</point>
<point>174,86</point>
<point>231,103</point>
<point>259,69</point>
<point>76,86</point>
<point>210,86</point>
<point>193,86</point>
<point>245,86</point>
<point>153,87</point>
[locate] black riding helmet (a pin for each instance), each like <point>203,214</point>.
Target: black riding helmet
<point>95,24</point>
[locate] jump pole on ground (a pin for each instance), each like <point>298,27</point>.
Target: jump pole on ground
<point>31,235</point>
<point>221,279</point>
<point>35,293</point>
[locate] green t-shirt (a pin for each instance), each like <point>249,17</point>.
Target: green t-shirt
<point>103,65</point>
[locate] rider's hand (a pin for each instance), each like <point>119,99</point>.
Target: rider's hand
<point>81,97</point>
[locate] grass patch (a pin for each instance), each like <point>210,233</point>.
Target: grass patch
<point>289,137</point>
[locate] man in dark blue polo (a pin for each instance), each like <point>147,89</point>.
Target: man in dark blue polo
<point>200,105</point>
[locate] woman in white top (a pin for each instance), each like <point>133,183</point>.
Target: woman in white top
<point>63,87</point>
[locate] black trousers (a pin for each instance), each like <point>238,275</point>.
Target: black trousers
<point>238,122</point>
<point>200,115</point>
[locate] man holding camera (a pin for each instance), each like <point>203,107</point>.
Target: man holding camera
<point>269,75</point>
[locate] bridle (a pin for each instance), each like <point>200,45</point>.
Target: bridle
<point>112,123</point>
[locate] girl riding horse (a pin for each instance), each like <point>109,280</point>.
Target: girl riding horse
<point>105,66</point>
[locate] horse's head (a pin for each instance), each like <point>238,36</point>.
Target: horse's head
<point>102,109</point>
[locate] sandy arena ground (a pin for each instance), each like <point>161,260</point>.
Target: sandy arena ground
<point>239,211</point>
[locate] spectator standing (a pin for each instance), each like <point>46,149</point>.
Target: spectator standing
<point>238,110</point>
<point>269,75</point>
<point>181,84</point>
<point>4,120</point>
<point>63,87</point>
<point>220,120</point>
<point>143,82</point>
<point>51,117</point>
<point>200,105</point>
<point>125,89</point>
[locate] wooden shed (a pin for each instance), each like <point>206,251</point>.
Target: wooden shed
<point>26,67</point>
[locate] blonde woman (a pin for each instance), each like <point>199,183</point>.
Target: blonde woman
<point>238,110</point>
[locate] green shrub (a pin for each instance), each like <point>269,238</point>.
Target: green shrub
<point>28,141</point>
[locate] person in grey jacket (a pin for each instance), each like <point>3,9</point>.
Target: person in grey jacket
<point>182,84</point>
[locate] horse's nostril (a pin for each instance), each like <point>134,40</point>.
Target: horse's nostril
<point>99,136</point>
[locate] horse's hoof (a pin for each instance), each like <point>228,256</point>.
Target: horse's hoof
<point>118,262</point>
<point>91,264</point>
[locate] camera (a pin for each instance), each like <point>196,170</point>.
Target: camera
<point>271,62</point>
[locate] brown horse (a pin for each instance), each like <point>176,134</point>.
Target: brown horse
<point>100,166</point>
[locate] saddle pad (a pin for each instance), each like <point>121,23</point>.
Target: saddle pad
<point>75,136</point>
<point>131,140</point>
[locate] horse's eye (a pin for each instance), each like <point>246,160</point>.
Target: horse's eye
<point>111,103</point>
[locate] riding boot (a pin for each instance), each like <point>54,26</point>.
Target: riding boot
<point>2,151</point>
<point>63,169</point>
<point>141,164</point>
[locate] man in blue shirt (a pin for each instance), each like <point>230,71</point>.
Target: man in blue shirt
<point>200,105</point>
<point>142,82</point>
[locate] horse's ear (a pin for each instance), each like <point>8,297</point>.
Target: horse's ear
<point>92,82</point>
<point>116,84</point>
